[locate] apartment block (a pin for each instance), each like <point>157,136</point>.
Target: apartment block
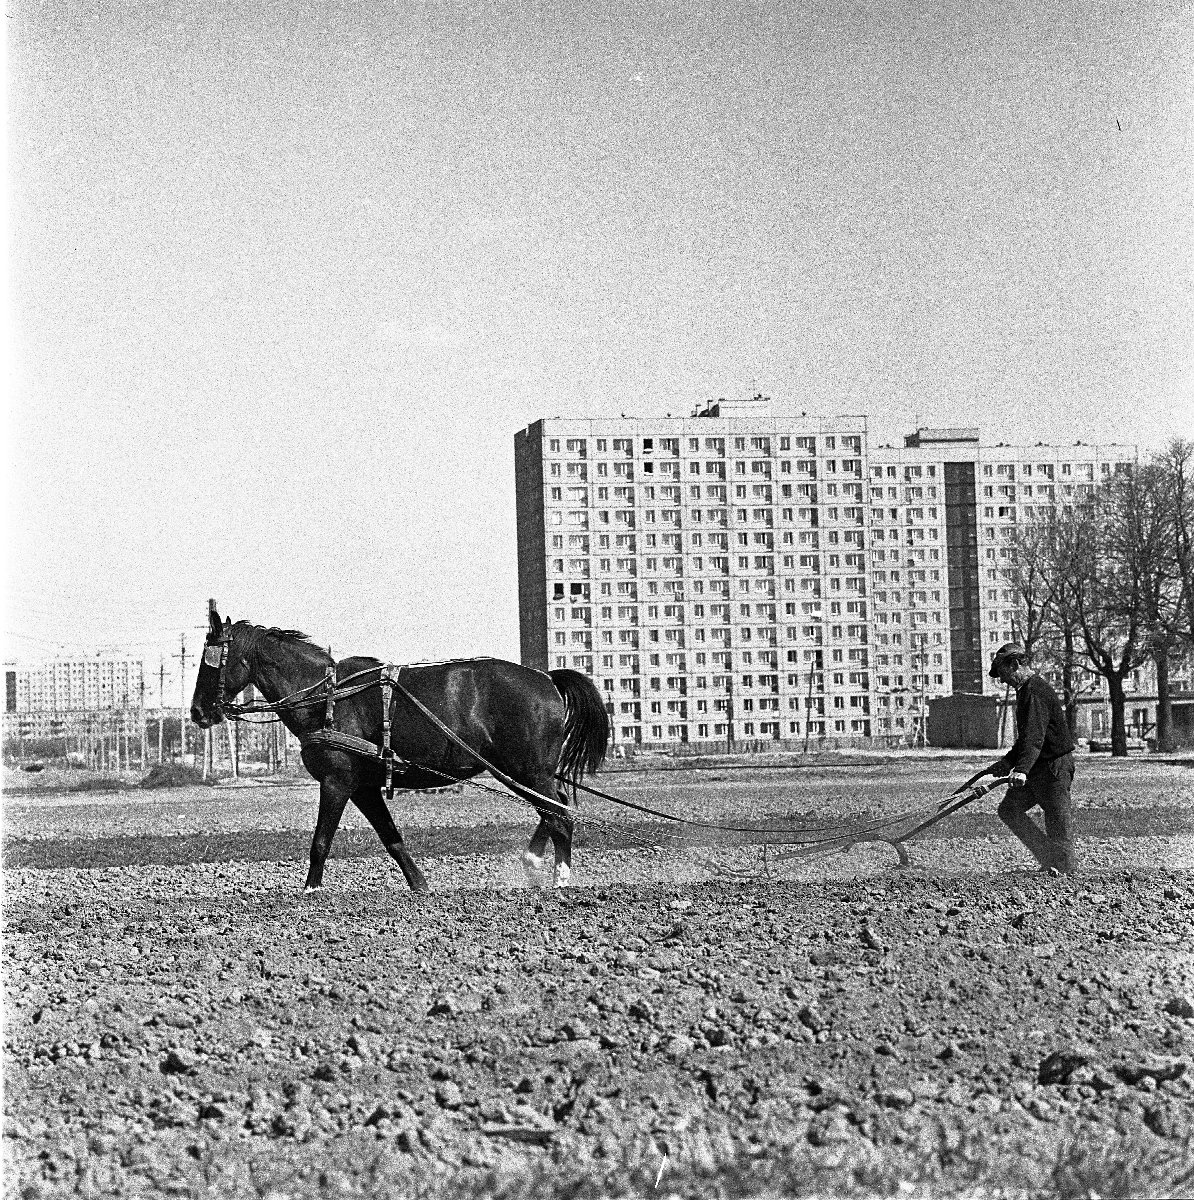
<point>742,575</point>
<point>709,572</point>
<point>1016,484</point>
<point>73,684</point>
<point>944,509</point>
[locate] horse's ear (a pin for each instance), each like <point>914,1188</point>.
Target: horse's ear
<point>213,617</point>
<point>227,626</point>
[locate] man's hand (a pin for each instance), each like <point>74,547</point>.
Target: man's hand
<point>1018,779</point>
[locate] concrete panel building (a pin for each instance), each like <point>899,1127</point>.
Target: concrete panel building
<point>951,506</point>
<point>739,575</point>
<point>56,697</point>
<point>74,684</point>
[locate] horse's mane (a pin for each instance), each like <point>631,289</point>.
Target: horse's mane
<point>284,635</point>
<point>287,635</point>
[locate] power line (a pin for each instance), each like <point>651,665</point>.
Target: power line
<point>31,638</point>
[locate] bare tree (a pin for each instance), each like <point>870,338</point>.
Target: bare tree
<point>1177,468</point>
<point>1034,581</point>
<point>1038,575</point>
<point>1107,545</point>
<point>1169,579</point>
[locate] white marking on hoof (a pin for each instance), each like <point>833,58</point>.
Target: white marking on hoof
<point>532,862</point>
<point>308,890</point>
<point>563,874</point>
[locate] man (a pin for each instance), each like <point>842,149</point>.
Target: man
<point>1040,762</point>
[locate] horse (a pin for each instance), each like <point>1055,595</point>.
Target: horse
<point>541,731</point>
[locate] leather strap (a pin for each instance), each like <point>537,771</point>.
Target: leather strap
<point>387,677</point>
<point>341,741</point>
<point>330,736</point>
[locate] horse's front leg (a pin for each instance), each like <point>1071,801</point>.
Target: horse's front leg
<point>333,796</point>
<point>369,800</point>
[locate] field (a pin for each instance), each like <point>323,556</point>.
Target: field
<point>688,1020</point>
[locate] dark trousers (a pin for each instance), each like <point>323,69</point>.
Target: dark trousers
<point>1049,786</point>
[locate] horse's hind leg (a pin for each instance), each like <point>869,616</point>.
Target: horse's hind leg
<point>532,856</point>
<point>561,825</point>
<point>369,801</point>
<point>555,822</point>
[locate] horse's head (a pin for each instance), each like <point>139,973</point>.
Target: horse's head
<point>224,670</point>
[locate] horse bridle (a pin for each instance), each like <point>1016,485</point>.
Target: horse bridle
<point>215,654</point>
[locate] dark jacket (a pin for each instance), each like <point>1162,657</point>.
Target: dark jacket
<point>1041,730</point>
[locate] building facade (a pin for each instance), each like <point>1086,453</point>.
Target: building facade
<point>74,684</point>
<point>42,697</point>
<point>742,576</point>
<point>951,507</point>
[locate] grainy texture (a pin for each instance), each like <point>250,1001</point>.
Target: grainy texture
<point>197,1028</point>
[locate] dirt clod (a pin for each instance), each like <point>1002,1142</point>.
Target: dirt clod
<point>1180,1006</point>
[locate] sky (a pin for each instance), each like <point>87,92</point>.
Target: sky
<point>285,279</point>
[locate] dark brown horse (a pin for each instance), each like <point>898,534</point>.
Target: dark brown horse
<point>538,730</point>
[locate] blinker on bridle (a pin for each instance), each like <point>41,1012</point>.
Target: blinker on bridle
<point>215,654</point>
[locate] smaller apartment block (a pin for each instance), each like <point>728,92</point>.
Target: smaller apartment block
<point>73,684</point>
<point>41,698</point>
<point>741,575</point>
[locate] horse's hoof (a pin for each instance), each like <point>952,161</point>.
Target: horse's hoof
<point>308,889</point>
<point>563,875</point>
<point>532,862</point>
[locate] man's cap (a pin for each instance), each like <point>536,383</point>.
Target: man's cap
<point>1008,652</point>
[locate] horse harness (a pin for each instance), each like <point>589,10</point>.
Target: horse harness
<point>215,654</point>
<point>390,682</point>
<point>329,735</point>
<point>388,678</point>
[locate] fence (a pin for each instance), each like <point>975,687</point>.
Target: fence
<point>128,740</point>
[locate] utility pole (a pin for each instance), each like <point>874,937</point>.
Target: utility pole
<point>182,683</point>
<point>161,705</point>
<point>141,723</point>
<point>232,732</point>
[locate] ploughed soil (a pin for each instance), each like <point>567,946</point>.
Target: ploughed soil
<point>689,1020</point>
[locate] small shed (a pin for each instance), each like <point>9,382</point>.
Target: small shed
<point>964,721</point>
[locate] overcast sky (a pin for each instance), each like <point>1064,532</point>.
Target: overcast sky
<point>288,277</point>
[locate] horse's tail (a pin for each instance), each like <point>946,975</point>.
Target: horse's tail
<point>586,725</point>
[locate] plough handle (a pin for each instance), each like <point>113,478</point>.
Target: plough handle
<point>973,779</point>
<point>959,800</point>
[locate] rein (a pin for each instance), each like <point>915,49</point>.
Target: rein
<point>305,697</point>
